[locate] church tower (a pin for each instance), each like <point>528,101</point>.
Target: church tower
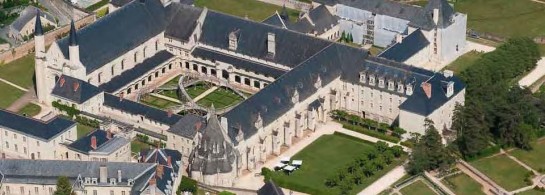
<point>73,46</point>
<point>39,66</point>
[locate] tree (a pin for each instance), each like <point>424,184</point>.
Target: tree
<point>368,169</point>
<point>187,185</point>
<point>343,37</point>
<point>381,146</point>
<point>64,187</point>
<point>397,151</point>
<point>472,131</point>
<point>429,152</point>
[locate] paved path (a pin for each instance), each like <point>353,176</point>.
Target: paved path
<point>438,183</point>
<point>538,1</point>
<point>13,84</point>
<point>385,181</point>
<point>165,97</point>
<point>29,96</point>
<point>536,74</point>
<point>204,94</point>
<point>473,46</point>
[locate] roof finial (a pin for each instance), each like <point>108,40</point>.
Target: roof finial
<point>38,30</point>
<point>73,34</point>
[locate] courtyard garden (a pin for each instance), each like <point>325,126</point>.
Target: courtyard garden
<point>157,102</point>
<point>533,158</point>
<point>463,184</point>
<point>417,188</point>
<point>328,171</point>
<point>221,98</point>
<point>197,89</point>
<point>502,170</point>
<point>255,10</point>
<point>83,130</point>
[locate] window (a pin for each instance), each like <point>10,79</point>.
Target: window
<point>14,136</point>
<point>6,133</point>
<point>37,143</point>
<point>24,139</point>
<point>113,70</point>
<point>135,57</point>
<point>22,190</point>
<point>36,190</point>
<point>122,64</point>
<point>24,149</point>
<point>111,192</point>
<point>39,157</point>
<point>94,192</point>
<point>7,145</point>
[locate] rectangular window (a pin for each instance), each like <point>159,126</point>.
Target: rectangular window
<point>7,145</point>
<point>94,192</point>
<point>22,190</point>
<point>36,190</point>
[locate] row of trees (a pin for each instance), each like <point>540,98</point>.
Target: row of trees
<point>346,37</point>
<point>364,167</point>
<point>344,116</point>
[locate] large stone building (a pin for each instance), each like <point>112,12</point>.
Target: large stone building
<point>102,68</point>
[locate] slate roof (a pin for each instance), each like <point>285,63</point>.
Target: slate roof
<point>323,19</point>
<point>44,130</point>
<point>187,126</point>
<point>75,90</point>
<point>424,19</point>
<point>384,7</point>
<point>183,20</point>
<point>104,145</point>
<point>410,45</point>
<point>117,33</point>
<point>275,20</point>
<point>136,108</point>
<point>160,156</point>
<point>127,77</point>
<point>120,3</point>
<point>29,13</point>
<point>238,62</point>
<point>38,28</point>
<point>46,172</point>
<point>270,188</point>
<point>292,48</point>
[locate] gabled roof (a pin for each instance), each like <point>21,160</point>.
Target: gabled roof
<point>75,90</point>
<point>104,144</point>
<point>45,130</point>
<point>270,188</point>
<point>160,156</point>
<point>117,33</point>
<point>187,126</point>
<point>419,103</point>
<point>28,14</point>
<point>275,20</point>
<point>182,21</point>
<point>120,3</point>
<point>136,108</point>
<point>384,7</point>
<point>424,19</point>
<point>409,46</point>
<point>322,19</point>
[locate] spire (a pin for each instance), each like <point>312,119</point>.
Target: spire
<point>73,35</point>
<point>284,13</point>
<point>38,30</point>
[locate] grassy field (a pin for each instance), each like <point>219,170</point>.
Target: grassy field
<point>322,159</point>
<point>531,192</point>
<point>30,110</point>
<point>84,130</point>
<point>255,10</point>
<point>463,184</point>
<point>8,94</point>
<point>137,146</point>
<point>221,98</point>
<point>504,171</point>
<point>464,61</point>
<point>157,102</point>
<point>20,72</point>
<point>533,158</point>
<point>197,89</point>
<point>417,188</point>
<point>170,93</point>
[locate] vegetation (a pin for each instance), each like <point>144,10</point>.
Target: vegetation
<point>346,38</point>
<point>417,188</point>
<point>429,153</point>
<point>463,184</point>
<point>187,185</point>
<point>323,162</point>
<point>97,5</point>
<point>197,89</point>
<point>8,95</point>
<point>504,171</point>
<point>170,94</point>
<point>102,12</point>
<point>20,71</point>
<point>226,193</point>
<point>30,110</point>
<point>253,9</point>
<point>64,187</point>
<point>137,146</point>
<point>71,111</point>
<point>83,130</point>
<point>496,109</point>
<point>533,158</point>
<point>534,191</point>
<point>157,102</point>
<point>221,98</point>
<point>464,61</point>
<point>354,122</point>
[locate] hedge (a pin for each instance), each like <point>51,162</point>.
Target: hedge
<point>371,133</point>
<point>407,143</point>
<point>484,153</point>
<point>353,138</point>
<point>187,185</point>
<point>97,5</point>
<point>87,121</point>
<point>71,111</point>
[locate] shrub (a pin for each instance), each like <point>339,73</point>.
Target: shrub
<point>87,121</point>
<point>226,193</point>
<point>484,153</point>
<point>71,111</point>
<point>187,185</point>
<point>371,133</point>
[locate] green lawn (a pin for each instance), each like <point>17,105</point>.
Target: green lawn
<point>172,82</point>
<point>157,102</point>
<point>30,110</point>
<point>84,130</point>
<point>137,146</point>
<point>196,90</point>
<point>20,72</point>
<point>221,98</point>
<point>533,158</point>
<point>463,184</point>
<point>170,93</point>
<point>531,192</point>
<point>504,171</point>
<point>417,188</point>
<point>464,61</point>
<point>255,10</point>
<point>102,12</point>
<point>323,158</point>
<point>8,94</point>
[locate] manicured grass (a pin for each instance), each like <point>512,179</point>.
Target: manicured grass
<point>197,89</point>
<point>8,95</point>
<point>375,50</point>
<point>504,171</point>
<point>505,18</point>
<point>464,61</point>
<point>170,93</point>
<point>30,110</point>
<point>533,158</point>
<point>323,158</point>
<point>83,130</point>
<point>102,12</point>
<point>463,184</point>
<point>255,10</point>
<point>172,82</point>
<point>137,146</point>
<point>542,49</point>
<point>221,98</point>
<point>20,72</point>
<point>531,192</point>
<point>417,188</point>
<point>157,102</point>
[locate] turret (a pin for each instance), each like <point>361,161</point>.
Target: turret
<point>39,66</point>
<point>73,46</point>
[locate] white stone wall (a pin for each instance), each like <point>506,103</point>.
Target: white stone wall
<point>122,154</point>
<point>16,144</point>
<point>453,40</point>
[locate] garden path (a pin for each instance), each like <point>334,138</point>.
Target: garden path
<point>385,181</point>
<point>29,96</point>
<point>204,94</point>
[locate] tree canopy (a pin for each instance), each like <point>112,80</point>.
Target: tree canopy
<point>429,152</point>
<point>64,187</point>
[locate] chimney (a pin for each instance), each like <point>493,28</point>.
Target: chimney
<point>427,89</point>
<point>435,15</point>
<point>76,86</point>
<point>109,135</point>
<point>198,125</point>
<point>62,81</point>
<point>94,142</point>
<point>399,38</point>
<point>160,171</point>
<point>448,73</point>
<point>169,113</point>
<point>271,44</point>
<point>450,88</point>
<point>121,96</point>
<point>169,161</point>
<point>119,176</point>
<point>103,174</point>
<point>152,186</point>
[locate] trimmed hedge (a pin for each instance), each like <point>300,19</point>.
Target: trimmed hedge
<point>87,121</point>
<point>187,185</point>
<point>371,133</point>
<point>97,5</point>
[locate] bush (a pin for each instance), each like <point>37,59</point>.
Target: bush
<point>407,143</point>
<point>226,193</point>
<point>371,133</point>
<point>267,173</point>
<point>187,185</point>
<point>97,5</point>
<point>71,111</point>
<point>87,121</point>
<point>484,153</point>
<point>353,138</point>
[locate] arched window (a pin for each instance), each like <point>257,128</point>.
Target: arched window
<point>156,45</point>
<point>145,48</point>
<point>135,57</point>
<point>122,64</point>
<point>113,70</point>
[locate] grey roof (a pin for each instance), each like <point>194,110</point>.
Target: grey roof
<point>275,20</point>
<point>187,126</point>
<point>127,77</point>
<point>270,188</point>
<point>409,46</point>
<point>140,109</point>
<point>38,29</point>
<point>75,90</point>
<point>29,13</point>
<point>323,19</point>
<point>104,144</point>
<point>292,48</point>
<point>44,130</point>
<point>239,63</point>
<point>119,32</point>
<point>424,19</point>
<point>183,20</point>
<point>120,3</point>
<point>160,156</point>
<point>384,7</point>
<point>314,105</point>
<point>46,172</point>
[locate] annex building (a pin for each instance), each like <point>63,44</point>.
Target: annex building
<point>102,69</point>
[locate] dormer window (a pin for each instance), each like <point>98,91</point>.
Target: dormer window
<point>409,90</point>
<point>363,77</point>
<point>258,122</point>
<point>450,88</point>
<point>233,40</point>
<point>371,80</point>
<point>295,97</point>
<point>391,85</point>
<point>318,83</point>
<point>381,82</point>
<point>400,88</point>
